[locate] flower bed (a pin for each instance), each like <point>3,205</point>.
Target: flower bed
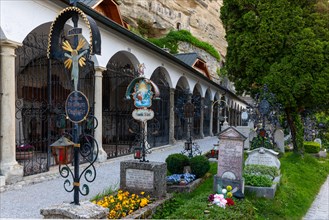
<point>123,203</point>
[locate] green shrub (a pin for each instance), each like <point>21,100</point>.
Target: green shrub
<point>261,170</point>
<point>258,142</point>
<point>257,180</point>
<point>176,163</point>
<point>199,165</point>
<point>311,147</point>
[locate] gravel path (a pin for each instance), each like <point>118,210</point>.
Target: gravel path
<point>320,207</point>
<point>26,198</point>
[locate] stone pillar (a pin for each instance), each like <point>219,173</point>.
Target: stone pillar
<point>211,112</point>
<point>172,117</point>
<point>9,167</point>
<point>102,155</point>
<point>201,117</point>
<point>218,119</point>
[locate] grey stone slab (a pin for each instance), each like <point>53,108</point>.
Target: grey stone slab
<point>86,210</point>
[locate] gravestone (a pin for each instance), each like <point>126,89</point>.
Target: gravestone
<point>267,157</point>
<point>245,130</point>
<point>279,139</point>
<point>263,156</point>
<point>252,135</point>
<point>230,160</point>
<point>318,140</point>
<point>148,177</point>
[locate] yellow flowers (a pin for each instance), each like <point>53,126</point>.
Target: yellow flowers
<point>123,203</point>
<point>229,194</point>
<point>229,188</point>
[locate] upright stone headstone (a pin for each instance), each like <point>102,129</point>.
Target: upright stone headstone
<point>148,177</point>
<point>245,130</point>
<point>263,156</point>
<point>279,139</point>
<point>230,160</point>
<point>318,140</point>
<point>252,135</point>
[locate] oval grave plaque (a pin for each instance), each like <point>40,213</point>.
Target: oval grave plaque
<point>143,114</point>
<point>77,106</point>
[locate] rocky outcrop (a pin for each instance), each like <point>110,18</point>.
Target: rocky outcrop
<point>200,17</point>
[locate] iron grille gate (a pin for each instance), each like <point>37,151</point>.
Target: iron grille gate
<point>181,97</point>
<point>42,88</point>
<point>161,114</point>
<point>117,138</point>
<point>206,118</point>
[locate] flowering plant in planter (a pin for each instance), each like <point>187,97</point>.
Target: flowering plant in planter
<point>24,148</point>
<point>24,151</point>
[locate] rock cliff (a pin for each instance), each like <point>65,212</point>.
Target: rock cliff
<point>200,17</point>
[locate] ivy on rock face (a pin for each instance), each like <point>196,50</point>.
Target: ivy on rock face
<point>171,42</point>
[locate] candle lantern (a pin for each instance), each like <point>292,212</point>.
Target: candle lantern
<point>62,151</point>
<point>137,153</point>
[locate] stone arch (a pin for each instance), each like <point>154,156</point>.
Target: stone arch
<point>164,75</point>
<point>198,111</point>
<point>182,91</point>
<point>161,107</point>
<point>42,87</point>
<point>121,69</point>
<point>207,113</point>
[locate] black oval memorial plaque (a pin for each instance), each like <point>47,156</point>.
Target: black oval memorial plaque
<point>77,106</point>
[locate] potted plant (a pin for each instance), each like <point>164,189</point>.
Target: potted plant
<point>24,151</point>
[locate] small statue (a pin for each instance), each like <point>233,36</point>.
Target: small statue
<point>74,60</point>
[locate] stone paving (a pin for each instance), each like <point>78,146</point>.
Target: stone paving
<point>320,207</point>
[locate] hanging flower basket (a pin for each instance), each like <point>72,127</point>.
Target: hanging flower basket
<point>24,152</point>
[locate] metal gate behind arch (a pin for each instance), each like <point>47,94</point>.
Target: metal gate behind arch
<point>161,113</point>
<point>42,88</point>
<point>117,138</point>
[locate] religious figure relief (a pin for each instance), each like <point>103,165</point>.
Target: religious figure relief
<point>74,59</point>
<point>143,94</point>
<point>141,68</point>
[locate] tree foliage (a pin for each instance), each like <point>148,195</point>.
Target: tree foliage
<point>284,44</point>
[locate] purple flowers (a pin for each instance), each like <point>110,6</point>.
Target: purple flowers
<point>24,147</point>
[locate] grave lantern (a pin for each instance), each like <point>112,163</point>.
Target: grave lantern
<point>62,151</point>
<point>214,151</point>
<point>137,153</point>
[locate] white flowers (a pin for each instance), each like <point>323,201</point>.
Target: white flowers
<point>224,191</point>
<point>220,200</point>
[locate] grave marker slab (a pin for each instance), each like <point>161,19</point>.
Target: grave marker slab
<point>230,159</point>
<point>148,177</point>
<point>279,139</point>
<point>263,156</point>
<point>318,140</point>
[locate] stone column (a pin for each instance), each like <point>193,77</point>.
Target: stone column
<point>211,112</point>
<point>218,119</point>
<point>102,155</point>
<point>9,167</point>
<point>201,117</point>
<point>172,117</point>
